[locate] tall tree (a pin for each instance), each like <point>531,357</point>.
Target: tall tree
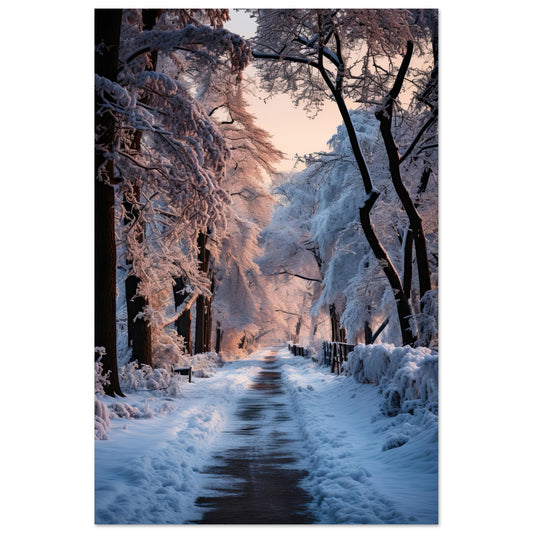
<point>139,330</point>
<point>181,158</point>
<point>183,295</point>
<point>107,38</point>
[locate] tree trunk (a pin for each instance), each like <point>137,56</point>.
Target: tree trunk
<point>208,326</point>
<point>297,332</point>
<point>384,116</point>
<point>368,333</point>
<point>199,334</point>
<point>403,306</point>
<point>336,335</point>
<point>107,39</point>
<point>139,330</point>
<point>219,335</point>
<point>402,303</point>
<point>183,323</point>
<point>407,275</point>
<point>202,338</point>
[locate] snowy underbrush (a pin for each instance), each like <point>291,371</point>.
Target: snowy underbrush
<point>407,377</point>
<point>158,381</point>
<point>206,365</point>
<point>316,350</point>
<point>101,413</point>
<point>146,390</point>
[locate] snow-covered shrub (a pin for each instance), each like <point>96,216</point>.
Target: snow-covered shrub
<point>395,442</point>
<point>101,413</point>
<point>407,377</point>
<point>124,410</point>
<point>144,378</point>
<point>205,365</point>
<point>169,351</point>
<point>428,320</point>
<point>101,420</point>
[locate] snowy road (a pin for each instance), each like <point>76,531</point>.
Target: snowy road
<point>254,474</point>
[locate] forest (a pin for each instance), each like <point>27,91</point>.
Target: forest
<point>201,245</point>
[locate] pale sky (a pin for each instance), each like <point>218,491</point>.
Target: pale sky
<point>292,131</point>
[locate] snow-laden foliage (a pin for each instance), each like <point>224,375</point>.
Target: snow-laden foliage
<point>406,376</point>
<point>290,260</point>
<point>242,306</point>
<point>428,320</point>
<point>169,155</point>
<point>356,54</point>
<point>206,364</point>
<point>355,48</point>
<point>135,377</point>
<point>315,231</point>
<point>101,413</point>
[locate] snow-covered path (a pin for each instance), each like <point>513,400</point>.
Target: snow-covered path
<point>362,467</point>
<point>256,470</point>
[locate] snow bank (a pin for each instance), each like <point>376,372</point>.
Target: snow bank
<point>366,467</point>
<point>407,377</point>
<point>146,469</point>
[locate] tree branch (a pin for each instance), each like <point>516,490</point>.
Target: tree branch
<point>424,128</point>
<point>295,275</point>
<point>292,59</point>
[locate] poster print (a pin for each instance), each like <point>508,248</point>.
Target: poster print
<point>266,266</point>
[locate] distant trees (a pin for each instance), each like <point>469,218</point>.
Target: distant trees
<point>363,56</point>
<point>242,303</point>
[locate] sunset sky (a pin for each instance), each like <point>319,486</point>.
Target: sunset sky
<point>292,131</point>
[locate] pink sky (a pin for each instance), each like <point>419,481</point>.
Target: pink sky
<point>291,130</point>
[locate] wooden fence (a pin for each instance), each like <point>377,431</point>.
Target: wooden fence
<point>298,350</point>
<point>335,353</point>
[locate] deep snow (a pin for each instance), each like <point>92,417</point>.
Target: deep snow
<point>365,467</point>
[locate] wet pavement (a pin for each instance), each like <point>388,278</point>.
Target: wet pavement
<point>254,475</point>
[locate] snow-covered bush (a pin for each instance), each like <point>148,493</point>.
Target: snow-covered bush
<point>169,351</point>
<point>204,365</point>
<point>407,377</point>
<point>125,410</point>
<point>143,378</point>
<point>101,413</point>
<point>428,320</point>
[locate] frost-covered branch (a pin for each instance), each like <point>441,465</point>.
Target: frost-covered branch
<point>281,272</point>
<point>292,59</point>
<point>419,135</point>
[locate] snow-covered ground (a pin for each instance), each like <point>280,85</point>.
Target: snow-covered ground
<point>365,467</point>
